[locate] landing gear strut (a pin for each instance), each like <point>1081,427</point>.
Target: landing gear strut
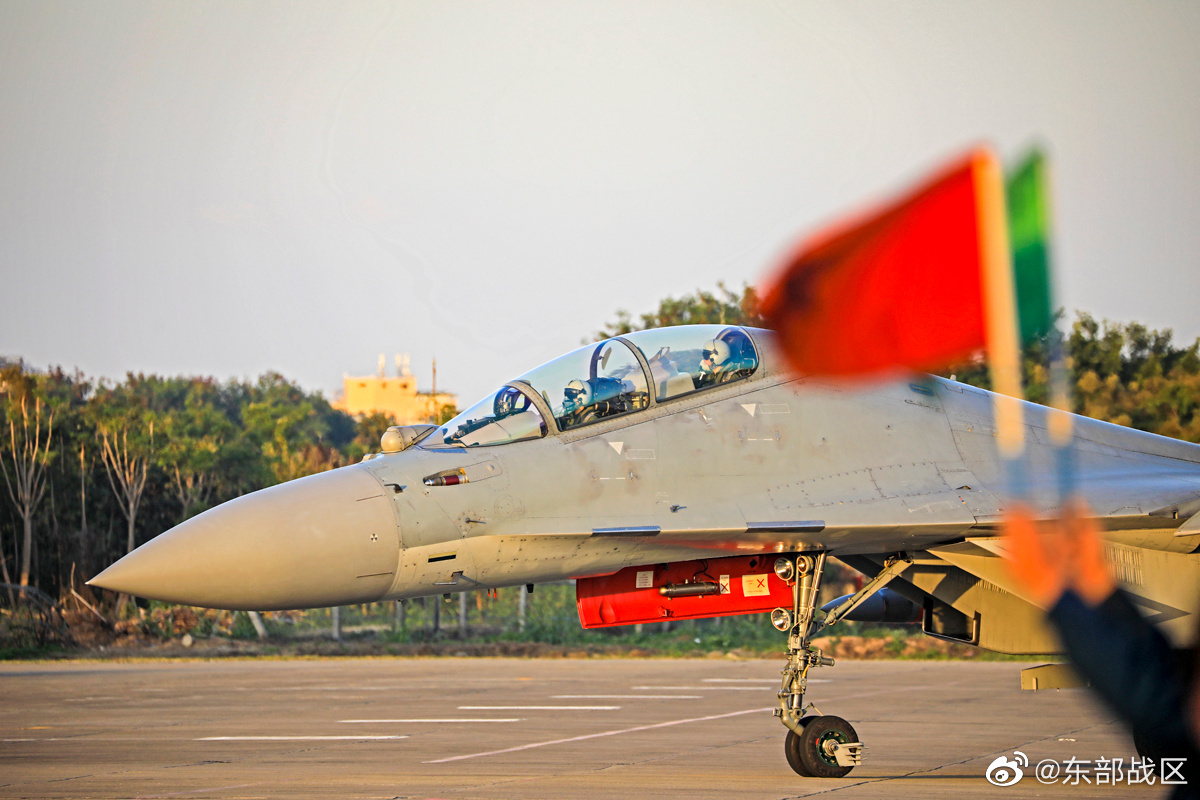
<point>816,746</point>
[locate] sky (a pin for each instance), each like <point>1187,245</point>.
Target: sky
<point>227,188</point>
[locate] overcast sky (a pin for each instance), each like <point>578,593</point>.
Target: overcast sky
<point>228,188</point>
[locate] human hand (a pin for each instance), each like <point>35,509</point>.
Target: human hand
<point>1090,576</point>
<point>1039,564</point>
<point>1065,554</point>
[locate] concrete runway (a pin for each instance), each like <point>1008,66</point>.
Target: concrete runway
<point>386,728</point>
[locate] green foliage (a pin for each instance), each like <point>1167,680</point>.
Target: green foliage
<point>197,440</point>
<point>299,433</point>
<point>368,431</point>
<point>1134,376</point>
<point>725,307</point>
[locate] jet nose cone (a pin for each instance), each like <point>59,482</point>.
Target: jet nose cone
<point>328,539</point>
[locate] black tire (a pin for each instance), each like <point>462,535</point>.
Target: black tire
<point>813,756</point>
<point>791,749</point>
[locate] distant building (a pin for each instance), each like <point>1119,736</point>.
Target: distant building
<point>396,395</point>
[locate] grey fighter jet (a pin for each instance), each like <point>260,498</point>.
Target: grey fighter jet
<point>680,473</point>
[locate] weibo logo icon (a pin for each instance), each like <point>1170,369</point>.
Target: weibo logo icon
<point>1007,771</point>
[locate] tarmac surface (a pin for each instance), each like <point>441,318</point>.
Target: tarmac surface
<point>516,728</point>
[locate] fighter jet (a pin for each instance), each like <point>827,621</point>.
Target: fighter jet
<point>679,473</point>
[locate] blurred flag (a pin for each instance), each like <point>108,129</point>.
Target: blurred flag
<point>1029,233</point>
<point>901,286</point>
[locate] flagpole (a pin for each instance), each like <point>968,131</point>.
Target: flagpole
<point>1000,318</point>
<point>1060,423</point>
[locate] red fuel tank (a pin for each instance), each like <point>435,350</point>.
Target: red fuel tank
<point>715,587</point>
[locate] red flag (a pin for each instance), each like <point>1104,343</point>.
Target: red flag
<point>900,287</point>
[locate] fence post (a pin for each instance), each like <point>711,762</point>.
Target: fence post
<point>257,622</point>
<point>462,615</point>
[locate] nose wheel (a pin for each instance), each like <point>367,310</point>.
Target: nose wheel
<point>827,748</point>
<point>816,746</point>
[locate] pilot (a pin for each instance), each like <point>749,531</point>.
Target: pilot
<point>577,397</point>
<point>506,402</point>
<point>716,362</point>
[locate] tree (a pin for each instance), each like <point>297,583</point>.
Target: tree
<point>726,307</point>
<point>1135,376</point>
<point>124,424</point>
<point>370,429</point>
<point>67,541</point>
<point>195,444</point>
<point>30,432</point>
<point>446,413</point>
<point>298,433</point>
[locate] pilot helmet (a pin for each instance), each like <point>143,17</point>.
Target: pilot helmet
<point>578,393</point>
<point>716,352</point>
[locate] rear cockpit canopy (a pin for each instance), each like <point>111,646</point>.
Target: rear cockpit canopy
<point>605,380</point>
<point>691,358</point>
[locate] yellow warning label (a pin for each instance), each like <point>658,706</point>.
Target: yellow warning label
<point>755,585</point>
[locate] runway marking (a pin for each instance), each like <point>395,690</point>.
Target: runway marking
<point>294,738</point>
<point>538,708</point>
<point>325,689</point>
<point>702,688</point>
<point>196,791</point>
<point>598,735</point>
<point>419,721</point>
<point>772,681</point>
<point>626,697</point>
<point>584,737</point>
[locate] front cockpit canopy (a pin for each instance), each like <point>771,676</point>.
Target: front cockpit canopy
<point>691,358</point>
<point>595,382</point>
<point>506,415</point>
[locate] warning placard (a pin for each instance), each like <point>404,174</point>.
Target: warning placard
<point>755,585</point>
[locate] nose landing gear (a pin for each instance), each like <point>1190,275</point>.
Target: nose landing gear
<point>816,746</point>
<point>828,748</point>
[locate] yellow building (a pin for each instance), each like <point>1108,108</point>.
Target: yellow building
<point>396,395</point>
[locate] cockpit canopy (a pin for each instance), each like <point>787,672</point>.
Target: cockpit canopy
<point>602,381</point>
<point>595,382</point>
<point>691,358</point>
<point>506,415</point>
